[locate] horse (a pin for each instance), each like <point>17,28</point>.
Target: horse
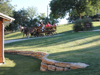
<point>34,32</point>
<point>24,30</point>
<point>27,31</point>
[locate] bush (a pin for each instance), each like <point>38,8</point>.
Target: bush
<point>80,24</point>
<point>87,20</point>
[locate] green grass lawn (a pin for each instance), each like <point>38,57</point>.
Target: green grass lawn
<point>71,47</point>
<point>19,65</point>
<point>96,25</point>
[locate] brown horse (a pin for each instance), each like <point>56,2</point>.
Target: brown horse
<point>27,31</point>
<point>24,30</point>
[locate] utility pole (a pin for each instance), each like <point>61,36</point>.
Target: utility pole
<point>47,13</point>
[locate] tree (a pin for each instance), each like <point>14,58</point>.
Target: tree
<point>32,15</point>
<point>60,7</point>
<point>32,12</point>
<point>41,16</point>
<point>21,17</point>
<point>52,19</point>
<point>6,8</point>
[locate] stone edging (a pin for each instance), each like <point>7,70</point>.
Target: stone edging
<point>48,64</point>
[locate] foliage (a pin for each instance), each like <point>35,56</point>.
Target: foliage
<point>52,19</point>
<point>23,17</point>
<point>27,17</point>
<point>32,12</point>
<point>41,16</point>
<point>87,20</point>
<point>6,8</point>
<point>75,7</point>
<point>80,24</point>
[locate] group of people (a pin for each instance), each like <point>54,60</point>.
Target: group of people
<point>40,24</point>
<point>43,25</point>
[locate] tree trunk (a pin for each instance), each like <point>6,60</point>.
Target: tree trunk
<point>80,15</point>
<point>78,12</point>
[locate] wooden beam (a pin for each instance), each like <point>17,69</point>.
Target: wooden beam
<point>1,40</point>
<point>6,20</point>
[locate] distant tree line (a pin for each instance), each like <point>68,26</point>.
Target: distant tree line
<point>72,18</point>
<point>76,8</point>
<point>28,17</point>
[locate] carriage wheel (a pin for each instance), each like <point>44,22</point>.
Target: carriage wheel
<point>46,34</point>
<point>52,33</point>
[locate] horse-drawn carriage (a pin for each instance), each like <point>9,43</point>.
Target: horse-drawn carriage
<point>47,30</point>
<point>38,31</point>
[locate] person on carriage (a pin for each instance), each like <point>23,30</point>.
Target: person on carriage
<point>42,26</point>
<point>47,25</point>
<point>54,24</point>
<point>50,25</point>
<point>39,24</point>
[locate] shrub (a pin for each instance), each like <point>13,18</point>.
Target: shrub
<point>87,20</point>
<point>80,24</point>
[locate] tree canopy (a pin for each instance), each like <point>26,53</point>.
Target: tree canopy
<point>32,12</point>
<point>6,8</point>
<point>59,8</point>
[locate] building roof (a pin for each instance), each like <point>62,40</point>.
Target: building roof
<point>6,18</point>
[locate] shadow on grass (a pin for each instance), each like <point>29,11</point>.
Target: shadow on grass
<point>14,35</point>
<point>88,55</point>
<point>97,27</point>
<point>57,40</point>
<point>23,65</point>
<point>29,66</point>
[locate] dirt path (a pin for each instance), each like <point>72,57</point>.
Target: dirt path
<point>15,40</point>
<point>97,30</point>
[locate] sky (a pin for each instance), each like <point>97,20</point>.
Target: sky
<point>41,6</point>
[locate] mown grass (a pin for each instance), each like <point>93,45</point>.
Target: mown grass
<point>19,65</point>
<point>70,47</point>
<point>96,25</point>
